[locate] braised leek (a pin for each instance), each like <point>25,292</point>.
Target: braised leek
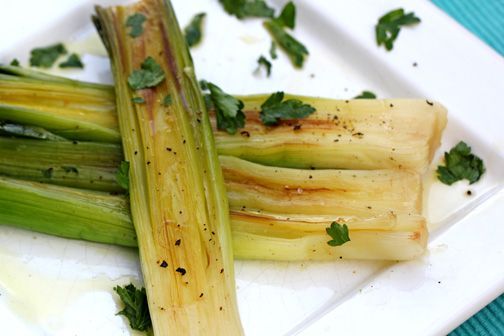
<point>176,189</point>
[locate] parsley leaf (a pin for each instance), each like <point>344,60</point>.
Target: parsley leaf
<point>228,109</point>
<point>262,61</point>
<point>73,61</point>
<point>138,100</point>
<point>14,62</point>
<point>338,233</point>
<point>460,164</point>
<point>272,51</point>
<point>167,101</point>
<point>366,95</point>
<point>295,49</point>
<point>136,308</point>
<point>150,74</point>
<point>135,22</point>
<point>274,109</point>
<point>193,31</point>
<point>287,17</point>
<point>122,175</point>
<point>45,57</point>
<point>247,8</point>
<point>388,26</point>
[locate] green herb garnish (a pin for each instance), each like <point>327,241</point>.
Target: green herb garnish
<point>338,233</point>
<point>460,164</point>
<point>389,25</point>
<point>136,308</point>
<point>366,95</point>
<point>262,61</point>
<point>135,22</point>
<point>228,109</point>
<point>167,101</point>
<point>122,175</point>
<point>150,74</point>
<point>193,31</point>
<point>295,49</point>
<point>247,8</point>
<point>287,17</point>
<point>275,109</point>
<point>45,57</point>
<point>73,61</point>
<point>14,62</point>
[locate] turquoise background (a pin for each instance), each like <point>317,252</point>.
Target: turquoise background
<point>485,18</point>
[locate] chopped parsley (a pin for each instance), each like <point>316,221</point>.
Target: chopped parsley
<point>338,233</point>
<point>135,22</point>
<point>136,308</point>
<point>389,25</point>
<point>122,175</point>
<point>247,8</point>
<point>150,74</point>
<point>366,95</point>
<point>14,62</point>
<point>272,51</point>
<point>73,61</point>
<point>138,100</point>
<point>167,101</point>
<point>45,57</point>
<point>262,61</point>
<point>228,109</point>
<point>275,109</point>
<point>460,164</point>
<point>193,31</point>
<point>287,17</point>
<point>294,49</point>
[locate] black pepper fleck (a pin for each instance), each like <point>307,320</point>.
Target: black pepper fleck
<point>429,102</point>
<point>168,149</point>
<point>296,127</point>
<point>177,242</point>
<point>181,270</point>
<point>245,134</point>
<point>468,192</point>
<point>164,264</point>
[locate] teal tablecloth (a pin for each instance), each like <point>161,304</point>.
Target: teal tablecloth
<point>485,18</point>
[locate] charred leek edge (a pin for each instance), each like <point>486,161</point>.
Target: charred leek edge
<point>347,134</point>
<point>249,185</point>
<point>176,195</point>
<point>350,134</point>
<point>85,165</point>
<point>73,110</point>
<point>66,212</point>
<point>98,217</point>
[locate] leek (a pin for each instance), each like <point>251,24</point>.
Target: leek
<point>82,214</point>
<point>346,134</point>
<point>175,195</point>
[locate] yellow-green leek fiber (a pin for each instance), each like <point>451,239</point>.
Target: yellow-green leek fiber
<point>177,194</point>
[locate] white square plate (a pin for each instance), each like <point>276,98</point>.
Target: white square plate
<point>53,286</point>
